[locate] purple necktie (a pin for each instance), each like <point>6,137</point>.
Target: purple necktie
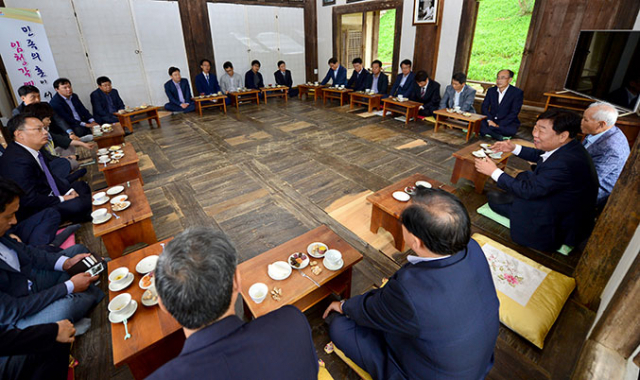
<point>47,173</point>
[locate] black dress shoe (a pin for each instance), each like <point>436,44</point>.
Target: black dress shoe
<point>127,132</point>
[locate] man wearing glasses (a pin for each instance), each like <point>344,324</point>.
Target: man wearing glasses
<point>502,105</point>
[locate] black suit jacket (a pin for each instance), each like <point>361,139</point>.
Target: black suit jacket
<point>62,108</point>
<point>383,83</point>
<point>505,113</point>
<point>283,80</point>
<point>555,204</point>
<point>250,83</point>
<point>32,340</point>
<point>100,105</point>
<point>20,166</point>
<point>58,128</point>
<point>431,98</point>
<point>357,82</point>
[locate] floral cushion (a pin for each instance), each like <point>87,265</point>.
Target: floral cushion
<point>531,295</point>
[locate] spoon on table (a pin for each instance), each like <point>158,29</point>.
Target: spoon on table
<point>126,330</point>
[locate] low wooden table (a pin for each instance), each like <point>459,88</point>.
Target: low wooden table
<point>370,101</point>
<point>334,93</point>
<point>130,118</point>
<point>124,170</point>
<point>156,337</point>
<point>311,89</point>
<point>297,290</point>
<point>133,226</point>
<point>465,166</point>
<point>386,210</point>
<point>275,92</point>
<point>408,108</point>
<point>200,102</point>
<point>115,137</point>
<point>457,120</point>
<point>245,96</point>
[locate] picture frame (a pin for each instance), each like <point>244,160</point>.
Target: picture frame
<point>328,2</point>
<point>425,12</point>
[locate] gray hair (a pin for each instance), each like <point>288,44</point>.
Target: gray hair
<point>194,276</point>
<point>605,112</point>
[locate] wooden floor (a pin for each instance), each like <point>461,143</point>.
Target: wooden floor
<point>270,173</point>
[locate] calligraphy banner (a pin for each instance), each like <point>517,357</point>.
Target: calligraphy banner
<point>25,51</point>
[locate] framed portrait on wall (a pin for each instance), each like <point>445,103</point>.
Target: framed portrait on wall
<point>425,12</point>
<point>328,2</point>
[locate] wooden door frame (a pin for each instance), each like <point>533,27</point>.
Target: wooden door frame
<point>364,7</point>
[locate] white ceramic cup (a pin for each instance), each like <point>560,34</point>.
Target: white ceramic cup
<point>99,214</point>
<point>333,256</point>
<point>103,151</point>
<point>119,303</point>
<point>119,275</point>
<point>98,197</point>
<point>400,96</point>
<point>315,83</point>
<point>456,109</point>
<point>258,292</point>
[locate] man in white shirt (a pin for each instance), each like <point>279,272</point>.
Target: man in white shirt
<point>502,105</point>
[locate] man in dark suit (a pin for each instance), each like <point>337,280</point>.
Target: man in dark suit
<point>555,204</point>
<point>359,76</point>
<point>25,163</point>
<point>377,82</point>
<point>283,78</point>
<point>206,83</point>
<point>179,93</point>
<point>70,108</point>
<point>426,92</point>
<point>37,352</point>
<point>606,144</point>
<point>337,73</point>
<point>437,316</point>
<point>277,345</point>
<point>253,78</point>
<point>502,105</point>
<point>404,83</point>
<point>106,101</point>
<point>34,285</point>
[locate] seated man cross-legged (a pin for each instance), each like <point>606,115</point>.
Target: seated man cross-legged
<point>179,93</point>
<point>337,74</point>
<point>437,316</point>
<point>377,82</point>
<point>198,284</point>
<point>459,94</point>
<point>405,83</point>
<point>554,204</point>
<point>106,101</point>
<point>230,81</point>
<point>358,79</point>
<point>502,105</point>
<point>283,78</point>
<point>70,108</point>
<point>253,78</point>
<point>426,92</point>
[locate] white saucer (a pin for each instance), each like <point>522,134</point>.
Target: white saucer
<point>310,252</point>
<point>479,153</point>
<point>100,221</point>
<point>150,302</point>
<point>283,265</point>
<point>115,190</point>
<point>401,196</point>
<point>118,318</point>
<point>98,203</point>
<point>147,264</point>
<point>126,206</point>
<point>326,264</point>
<point>116,288</point>
<point>423,184</point>
<point>119,198</point>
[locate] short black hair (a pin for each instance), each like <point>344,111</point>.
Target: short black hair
<point>421,76</point>
<point>255,62</point>
<point>378,62</point>
<point>17,122</point>
<point>511,73</point>
<point>563,121</point>
<point>28,89</point>
<point>173,69</point>
<point>204,60</point>
<point>333,60</point>
<point>356,60</point>
<point>60,81</point>
<point>227,65</point>
<point>39,110</point>
<point>460,78</point>
<point>280,63</point>
<point>102,80</point>
<point>439,220</point>
<point>405,62</point>
<point>9,191</point>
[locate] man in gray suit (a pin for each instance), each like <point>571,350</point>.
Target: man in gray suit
<point>606,144</point>
<point>459,94</point>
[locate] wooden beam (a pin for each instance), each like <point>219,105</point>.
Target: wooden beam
<point>196,29</point>
<point>611,236</point>
<point>465,35</point>
<point>311,39</point>
<point>271,3</point>
<point>427,42</point>
<point>636,360</point>
<point>599,362</point>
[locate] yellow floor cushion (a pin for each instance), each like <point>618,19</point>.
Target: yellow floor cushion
<point>331,348</point>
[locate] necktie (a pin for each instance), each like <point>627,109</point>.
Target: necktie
<point>586,142</point>
<point>47,173</point>
<point>422,92</point>
<point>207,78</point>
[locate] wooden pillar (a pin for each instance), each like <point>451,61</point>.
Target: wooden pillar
<point>196,29</point>
<point>611,236</point>
<point>311,40</point>
<point>465,35</point>
<point>425,52</point>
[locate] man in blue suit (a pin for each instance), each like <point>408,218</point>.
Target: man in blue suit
<point>555,204</point>
<point>206,83</point>
<point>359,76</point>
<point>277,345</point>
<point>70,108</point>
<point>253,78</point>
<point>106,101</point>
<point>179,93</point>
<point>404,84</point>
<point>378,82</point>
<point>459,94</point>
<point>502,105</point>
<point>283,78</point>
<point>337,73</point>
<point>437,316</point>
<point>606,144</point>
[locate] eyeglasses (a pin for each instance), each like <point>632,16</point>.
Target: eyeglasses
<point>40,129</point>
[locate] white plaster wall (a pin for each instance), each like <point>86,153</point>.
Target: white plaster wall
<point>636,26</point>
<point>451,14</point>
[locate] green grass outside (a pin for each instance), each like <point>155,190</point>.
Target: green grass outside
<point>385,35</point>
<point>500,36</point>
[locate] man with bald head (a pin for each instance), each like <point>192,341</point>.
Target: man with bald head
<point>502,105</point>
<point>606,144</point>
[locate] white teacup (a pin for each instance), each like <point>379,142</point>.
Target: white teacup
<point>456,109</point>
<point>99,197</point>
<point>400,97</point>
<point>99,214</point>
<point>119,303</point>
<point>315,83</point>
<point>258,292</point>
<point>119,275</point>
<point>333,256</point>
<point>103,151</point>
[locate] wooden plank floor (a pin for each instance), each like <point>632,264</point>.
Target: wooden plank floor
<point>268,173</point>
